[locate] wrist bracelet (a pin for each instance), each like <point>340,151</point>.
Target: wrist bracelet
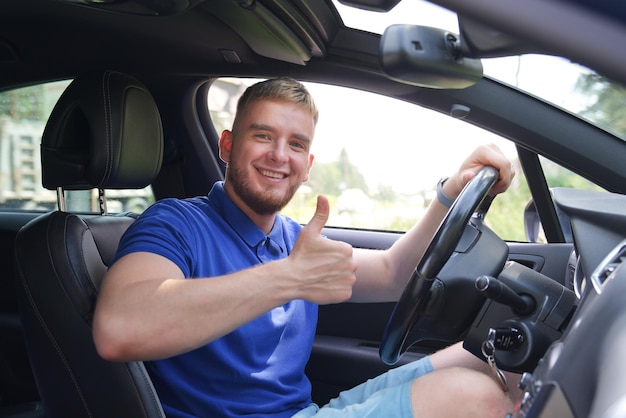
<point>441,196</point>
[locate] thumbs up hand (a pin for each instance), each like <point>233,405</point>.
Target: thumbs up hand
<point>325,269</point>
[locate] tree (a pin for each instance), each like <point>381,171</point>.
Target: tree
<point>334,177</point>
<point>325,178</point>
<point>607,106</point>
<point>23,104</point>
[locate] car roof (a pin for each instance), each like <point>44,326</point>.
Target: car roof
<point>227,37</point>
<point>216,37</point>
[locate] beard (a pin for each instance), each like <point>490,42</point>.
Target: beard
<point>263,202</point>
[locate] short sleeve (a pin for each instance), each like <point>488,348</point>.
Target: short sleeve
<point>163,229</point>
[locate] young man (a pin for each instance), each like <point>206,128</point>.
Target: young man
<point>219,293</point>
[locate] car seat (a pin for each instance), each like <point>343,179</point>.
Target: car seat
<point>104,133</point>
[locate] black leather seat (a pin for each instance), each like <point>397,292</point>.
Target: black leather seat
<point>105,132</point>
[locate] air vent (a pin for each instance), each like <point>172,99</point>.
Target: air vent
<point>606,269</point>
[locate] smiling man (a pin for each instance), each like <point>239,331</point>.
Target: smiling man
<point>219,293</point>
<point>271,157</point>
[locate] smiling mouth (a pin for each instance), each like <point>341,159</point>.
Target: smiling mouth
<point>272,174</point>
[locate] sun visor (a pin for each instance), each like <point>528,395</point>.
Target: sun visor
<point>265,33</point>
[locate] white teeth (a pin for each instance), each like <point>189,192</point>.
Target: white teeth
<point>272,174</point>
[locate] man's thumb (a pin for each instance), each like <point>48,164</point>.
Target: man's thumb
<point>320,217</point>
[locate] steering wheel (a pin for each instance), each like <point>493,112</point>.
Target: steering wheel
<point>416,294</point>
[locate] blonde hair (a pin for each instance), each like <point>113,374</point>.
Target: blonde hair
<point>282,88</point>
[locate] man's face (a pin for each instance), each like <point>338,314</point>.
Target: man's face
<point>268,155</point>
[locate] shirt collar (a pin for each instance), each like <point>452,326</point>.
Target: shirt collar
<point>241,223</point>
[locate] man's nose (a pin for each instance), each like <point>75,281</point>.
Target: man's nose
<point>279,151</point>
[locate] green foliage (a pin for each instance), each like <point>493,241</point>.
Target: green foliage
<point>557,176</point>
<point>23,104</point>
<point>506,215</point>
<point>607,102</point>
<point>334,177</point>
<point>32,103</point>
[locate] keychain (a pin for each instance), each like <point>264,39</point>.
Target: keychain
<point>488,349</point>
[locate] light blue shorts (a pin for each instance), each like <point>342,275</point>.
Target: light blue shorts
<point>388,395</point>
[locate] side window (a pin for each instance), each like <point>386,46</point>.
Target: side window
<point>379,159</point>
<point>23,116</point>
<point>557,176</point>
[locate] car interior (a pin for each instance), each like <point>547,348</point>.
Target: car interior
<point>134,114</point>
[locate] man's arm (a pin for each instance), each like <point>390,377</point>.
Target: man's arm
<point>147,310</point>
<point>382,275</point>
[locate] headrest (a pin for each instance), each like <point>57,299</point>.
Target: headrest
<point>104,132</point>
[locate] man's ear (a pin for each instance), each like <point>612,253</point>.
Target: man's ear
<point>225,145</point>
<point>308,170</point>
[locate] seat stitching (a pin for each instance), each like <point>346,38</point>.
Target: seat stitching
<point>108,124</point>
<point>54,343</point>
<point>148,383</point>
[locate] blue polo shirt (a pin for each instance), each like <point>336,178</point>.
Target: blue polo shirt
<point>256,370</point>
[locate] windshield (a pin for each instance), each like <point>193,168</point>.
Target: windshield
<point>556,80</point>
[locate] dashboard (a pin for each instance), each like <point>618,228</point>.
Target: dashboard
<point>570,347</point>
<point>584,373</point>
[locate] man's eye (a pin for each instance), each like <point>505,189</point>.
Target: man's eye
<point>264,137</point>
<point>298,145</point>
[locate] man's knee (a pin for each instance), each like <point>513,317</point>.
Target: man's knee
<point>455,392</point>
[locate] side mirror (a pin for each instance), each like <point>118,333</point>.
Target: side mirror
<point>532,223</point>
<point>427,57</point>
<point>534,229</point>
